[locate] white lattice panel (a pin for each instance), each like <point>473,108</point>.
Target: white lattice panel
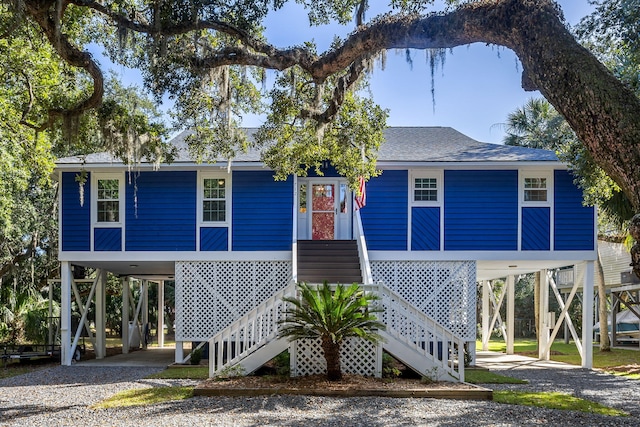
<point>357,356</point>
<point>212,294</point>
<point>443,290</point>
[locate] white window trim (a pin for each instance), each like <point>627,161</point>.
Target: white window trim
<point>438,175</point>
<point>227,196</point>
<point>535,174</point>
<point>94,199</point>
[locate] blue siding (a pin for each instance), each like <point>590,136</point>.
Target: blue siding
<point>481,210</point>
<point>214,239</point>
<point>536,228</point>
<point>262,212</point>
<point>107,239</point>
<point>76,219</point>
<point>329,172</point>
<point>425,229</point>
<point>166,212</point>
<point>384,218</point>
<point>573,222</point>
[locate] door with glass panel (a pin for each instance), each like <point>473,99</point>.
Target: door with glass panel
<point>323,209</point>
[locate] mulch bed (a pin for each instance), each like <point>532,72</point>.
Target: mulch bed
<point>349,386</point>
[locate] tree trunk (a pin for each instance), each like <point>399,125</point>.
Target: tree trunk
<point>332,357</point>
<point>603,313</point>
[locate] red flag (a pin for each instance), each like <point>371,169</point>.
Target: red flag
<point>361,197</point>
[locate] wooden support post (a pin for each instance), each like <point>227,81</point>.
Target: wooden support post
<point>101,302</point>
<point>543,308</point>
<point>486,333</point>
<point>125,315</point>
<point>180,352</point>
<point>566,324</point>
<point>160,329</point>
<point>587,316</point>
<point>511,313</point>
<point>145,312</point>
<point>65,312</point>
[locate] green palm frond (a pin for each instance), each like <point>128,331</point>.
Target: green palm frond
<point>339,313</point>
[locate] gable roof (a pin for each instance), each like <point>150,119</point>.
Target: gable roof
<point>402,144</point>
<point>445,144</point>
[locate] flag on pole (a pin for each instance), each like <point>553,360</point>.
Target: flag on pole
<point>361,197</point>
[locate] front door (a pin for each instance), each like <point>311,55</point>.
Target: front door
<point>323,209</point>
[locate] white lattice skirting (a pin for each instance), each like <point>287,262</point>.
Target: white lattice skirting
<point>357,356</point>
<point>443,290</point>
<point>212,294</point>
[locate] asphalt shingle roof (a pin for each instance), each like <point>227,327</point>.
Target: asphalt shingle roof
<point>402,144</point>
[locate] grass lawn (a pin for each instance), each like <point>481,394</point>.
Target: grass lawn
<point>145,396</point>
<point>554,400</point>
<point>15,369</point>
<point>568,353</point>
<point>479,376</point>
<point>195,373</point>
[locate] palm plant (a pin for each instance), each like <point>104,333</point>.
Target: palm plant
<point>332,315</point>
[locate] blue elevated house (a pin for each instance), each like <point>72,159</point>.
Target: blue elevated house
<point>446,213</point>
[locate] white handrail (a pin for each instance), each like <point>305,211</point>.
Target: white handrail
<point>363,253</point>
<point>417,331</point>
<point>247,334</point>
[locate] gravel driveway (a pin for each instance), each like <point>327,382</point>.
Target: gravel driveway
<point>60,396</point>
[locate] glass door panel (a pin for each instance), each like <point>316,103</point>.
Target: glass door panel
<point>323,206</point>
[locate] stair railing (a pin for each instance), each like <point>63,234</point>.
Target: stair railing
<point>365,266</point>
<point>442,348</point>
<point>249,333</point>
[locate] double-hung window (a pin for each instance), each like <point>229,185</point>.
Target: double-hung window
<point>108,200</point>
<point>535,190</point>
<point>107,193</point>
<point>215,192</point>
<point>426,188</point>
<point>214,199</point>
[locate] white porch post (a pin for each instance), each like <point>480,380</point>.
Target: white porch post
<point>65,313</point>
<point>125,315</point>
<point>160,327</point>
<point>101,302</point>
<point>485,315</point>
<point>543,308</point>
<point>180,352</point>
<point>587,316</point>
<point>511,312</point>
<point>145,311</point>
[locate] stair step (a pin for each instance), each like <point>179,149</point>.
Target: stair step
<point>329,264</point>
<point>341,280</point>
<point>334,261</point>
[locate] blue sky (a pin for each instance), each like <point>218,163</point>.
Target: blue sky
<point>474,92</point>
<point>476,89</point>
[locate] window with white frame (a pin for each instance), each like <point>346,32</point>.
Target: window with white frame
<point>108,200</point>
<point>536,189</point>
<point>426,188</point>
<point>214,199</point>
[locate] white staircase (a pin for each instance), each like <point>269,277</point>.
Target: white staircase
<point>252,340</point>
<point>418,341</point>
<point>411,336</point>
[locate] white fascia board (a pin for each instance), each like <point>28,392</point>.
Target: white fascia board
<point>473,165</point>
<point>77,256</point>
<point>577,256</point>
<point>172,166</point>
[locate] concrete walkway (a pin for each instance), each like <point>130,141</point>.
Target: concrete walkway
<point>501,361</point>
<point>162,357</point>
